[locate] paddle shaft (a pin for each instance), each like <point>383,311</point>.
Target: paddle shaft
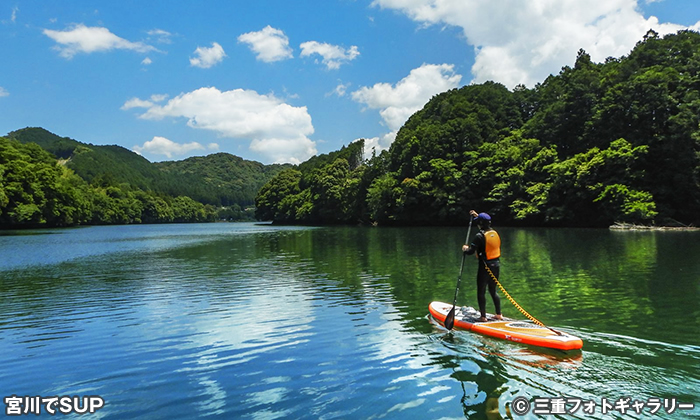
<point>459,280</point>
<point>450,319</point>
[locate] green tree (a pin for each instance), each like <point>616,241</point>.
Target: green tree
<point>186,210</point>
<point>598,187</point>
<point>267,202</point>
<point>381,198</point>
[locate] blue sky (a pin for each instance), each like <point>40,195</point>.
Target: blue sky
<point>280,81</point>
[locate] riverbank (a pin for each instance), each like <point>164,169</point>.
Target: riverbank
<point>632,226</point>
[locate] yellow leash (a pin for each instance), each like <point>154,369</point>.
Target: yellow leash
<point>520,308</point>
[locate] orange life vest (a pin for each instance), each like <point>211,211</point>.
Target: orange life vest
<point>492,245</point>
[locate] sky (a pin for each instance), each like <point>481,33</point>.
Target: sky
<point>280,81</point>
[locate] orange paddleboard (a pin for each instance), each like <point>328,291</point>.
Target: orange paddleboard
<point>506,329</point>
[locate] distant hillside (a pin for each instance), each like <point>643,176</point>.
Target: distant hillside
<point>101,164</point>
<point>36,190</point>
<point>220,179</point>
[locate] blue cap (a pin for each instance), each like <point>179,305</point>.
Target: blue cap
<point>483,216</point>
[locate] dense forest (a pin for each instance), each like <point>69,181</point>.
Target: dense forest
<point>597,143</point>
<point>37,191</point>
<point>220,179</point>
<point>47,180</point>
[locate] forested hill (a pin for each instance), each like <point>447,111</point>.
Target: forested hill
<point>595,144</point>
<point>96,164</point>
<point>47,180</point>
<point>220,179</point>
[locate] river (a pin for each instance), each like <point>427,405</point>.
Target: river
<point>255,321</point>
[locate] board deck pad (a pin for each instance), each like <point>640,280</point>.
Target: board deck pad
<point>467,317</point>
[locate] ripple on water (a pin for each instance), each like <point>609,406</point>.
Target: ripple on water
<point>282,327</point>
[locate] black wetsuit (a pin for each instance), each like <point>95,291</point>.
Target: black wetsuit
<point>483,278</point>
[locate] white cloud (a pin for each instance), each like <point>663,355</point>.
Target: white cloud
<point>285,150</point>
<point>377,144</point>
<point>159,98</point>
<point>146,61</point>
<point>333,55</point>
<point>140,103</point>
<point>136,103</point>
<point>269,44</point>
<point>84,39</point>
<point>275,129</point>
<point>397,103</point>
<point>339,90</point>
<point>168,148</point>
<point>13,16</point>
<point>524,42</point>
<point>3,92</point>
<point>208,57</point>
<point>160,36</point>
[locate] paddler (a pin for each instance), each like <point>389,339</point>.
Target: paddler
<point>487,245</point>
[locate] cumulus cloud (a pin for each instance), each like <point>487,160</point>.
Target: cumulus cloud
<point>3,92</point>
<point>524,42</point>
<point>146,61</point>
<point>285,150</point>
<point>377,144</point>
<point>276,130</point>
<point>170,149</point>
<point>84,39</point>
<point>397,103</point>
<point>269,44</point>
<point>332,55</point>
<point>208,57</point>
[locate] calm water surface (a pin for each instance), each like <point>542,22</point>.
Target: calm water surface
<point>262,322</point>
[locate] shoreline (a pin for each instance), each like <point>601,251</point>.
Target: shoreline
<point>633,227</point>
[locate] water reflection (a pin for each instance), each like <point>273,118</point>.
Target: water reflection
<point>491,372</point>
<point>246,321</point>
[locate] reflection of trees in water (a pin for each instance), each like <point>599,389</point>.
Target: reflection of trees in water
<point>485,402</point>
<point>485,370</point>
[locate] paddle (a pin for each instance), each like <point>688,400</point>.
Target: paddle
<point>450,319</point>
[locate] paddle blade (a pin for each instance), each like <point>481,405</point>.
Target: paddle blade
<point>450,319</point>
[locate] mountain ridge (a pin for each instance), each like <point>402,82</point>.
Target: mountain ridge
<point>220,179</point>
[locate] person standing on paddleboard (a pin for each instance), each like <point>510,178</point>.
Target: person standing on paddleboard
<point>487,245</point>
